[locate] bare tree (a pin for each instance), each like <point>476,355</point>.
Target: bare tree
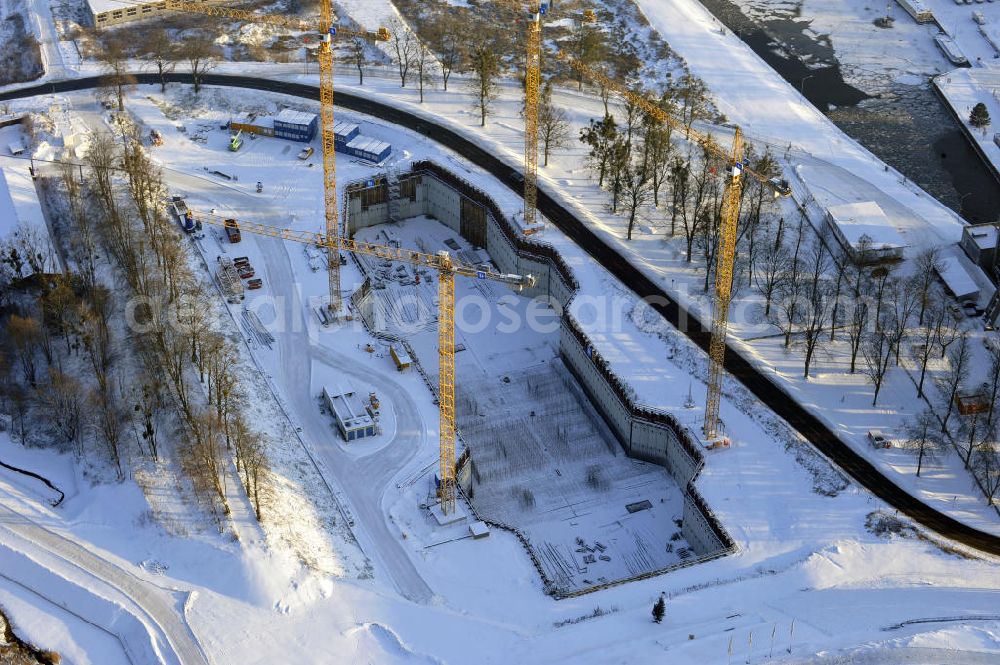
<point>994,379</point>
<point>202,55</point>
<point>958,370</point>
<point>485,67</point>
<point>986,466</point>
<point>770,275</point>
<point>924,349</point>
<point>359,50</point>
<point>923,438</point>
<point>973,433</point>
<point>447,46</point>
<point>405,46</point>
<point>691,97</point>
<point>553,126</point>
<point>423,60</point>
<point>926,268</point>
<point>637,190</point>
<point>63,399</point>
<point>814,320</point>
<point>114,57</point>
<point>23,333</point>
<point>877,352</point>
<point>163,53</point>
<point>110,424</point>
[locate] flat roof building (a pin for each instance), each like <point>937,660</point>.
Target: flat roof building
<point>353,419</point>
<point>104,13</point>
<point>957,279</point>
<point>865,232</point>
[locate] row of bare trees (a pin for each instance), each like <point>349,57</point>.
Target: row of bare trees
<point>96,366</point>
<point>170,317</point>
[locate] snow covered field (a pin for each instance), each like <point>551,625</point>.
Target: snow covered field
<point>820,574</point>
<point>803,555</point>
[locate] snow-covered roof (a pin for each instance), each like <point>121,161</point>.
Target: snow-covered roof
<point>984,235</point>
<point>293,117</point>
<point>865,219</point>
<point>348,408</point>
<point>957,278</point>
<point>370,145</point>
<point>101,6</point>
<point>343,128</point>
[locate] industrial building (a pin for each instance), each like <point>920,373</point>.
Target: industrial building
<point>865,232</point>
<point>979,242</point>
<point>296,125</point>
<point>347,139</point>
<point>354,420</point>
<point>302,126</point>
<point>288,124</point>
<point>104,13</point>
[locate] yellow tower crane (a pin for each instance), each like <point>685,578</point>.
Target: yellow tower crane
<point>447,270</point>
<point>327,32</point>
<point>532,95</point>
<point>737,168</point>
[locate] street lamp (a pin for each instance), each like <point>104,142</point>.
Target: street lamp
<point>802,84</point>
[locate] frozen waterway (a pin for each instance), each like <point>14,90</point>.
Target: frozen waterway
<point>902,121</point>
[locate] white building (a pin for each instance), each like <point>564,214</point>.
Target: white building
<point>104,13</point>
<point>957,277</point>
<point>865,232</point>
<point>352,416</point>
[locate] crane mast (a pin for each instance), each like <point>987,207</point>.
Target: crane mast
<point>327,123</point>
<point>532,83</point>
<point>723,285</point>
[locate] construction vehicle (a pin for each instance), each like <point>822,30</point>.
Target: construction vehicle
<point>306,153</point>
<point>737,168</point>
<point>236,141</point>
<point>447,270</point>
<point>232,228</point>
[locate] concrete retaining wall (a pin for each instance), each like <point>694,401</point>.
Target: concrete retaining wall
<point>644,433</point>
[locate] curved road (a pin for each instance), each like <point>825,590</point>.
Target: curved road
<point>807,424</point>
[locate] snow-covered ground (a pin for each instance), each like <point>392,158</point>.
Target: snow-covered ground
<point>804,556</point>
<point>810,576</point>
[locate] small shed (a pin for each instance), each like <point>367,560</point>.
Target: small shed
<point>16,148</point>
<point>400,357</point>
<point>479,530</point>
<point>969,402</point>
<point>957,279</point>
<point>353,419</point>
<point>865,232</point>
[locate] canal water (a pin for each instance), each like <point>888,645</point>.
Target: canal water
<point>907,126</point>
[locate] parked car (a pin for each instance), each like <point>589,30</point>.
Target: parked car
<point>878,440</point>
<point>254,284</point>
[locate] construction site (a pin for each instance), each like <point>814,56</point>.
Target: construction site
<point>365,356</point>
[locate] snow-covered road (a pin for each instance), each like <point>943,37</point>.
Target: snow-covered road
<point>363,480</point>
<point>155,607</point>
